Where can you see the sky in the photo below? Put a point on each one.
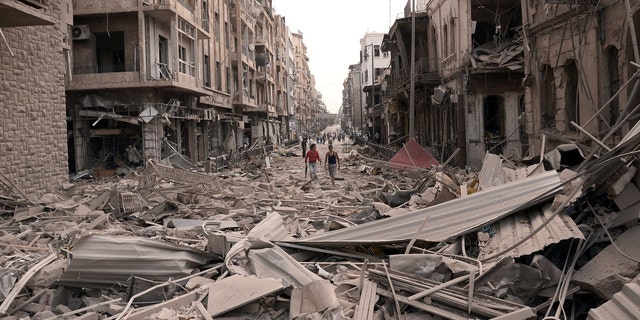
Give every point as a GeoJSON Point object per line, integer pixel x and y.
{"type": "Point", "coordinates": [332, 30]}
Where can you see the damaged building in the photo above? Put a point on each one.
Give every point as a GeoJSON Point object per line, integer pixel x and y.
{"type": "Point", "coordinates": [183, 80]}
{"type": "Point", "coordinates": [498, 76]}
{"type": "Point", "coordinates": [479, 46]}
{"type": "Point", "coordinates": [33, 47]}
{"type": "Point", "coordinates": [139, 72]}
{"type": "Point", "coordinates": [579, 69]}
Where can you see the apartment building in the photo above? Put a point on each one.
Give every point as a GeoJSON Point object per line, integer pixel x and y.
{"type": "Point", "coordinates": [139, 68]}
{"type": "Point", "coordinates": [285, 76]}
{"type": "Point", "coordinates": [352, 107]}
{"type": "Point", "coordinates": [34, 44]}
{"type": "Point", "coordinates": [303, 87]}
{"type": "Point", "coordinates": [434, 125]}
{"type": "Point", "coordinates": [373, 62]}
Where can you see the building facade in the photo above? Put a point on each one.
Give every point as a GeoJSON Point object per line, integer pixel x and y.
{"type": "Point", "coordinates": [178, 80]}
{"type": "Point", "coordinates": [579, 69]}
{"type": "Point", "coordinates": [373, 62]}
{"type": "Point", "coordinates": [33, 63]}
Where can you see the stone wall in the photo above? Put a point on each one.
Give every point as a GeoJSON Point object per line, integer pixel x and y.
{"type": "Point", "coordinates": [33, 140]}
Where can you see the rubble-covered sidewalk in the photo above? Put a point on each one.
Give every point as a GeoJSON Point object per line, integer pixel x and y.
{"type": "Point", "coordinates": [553, 237]}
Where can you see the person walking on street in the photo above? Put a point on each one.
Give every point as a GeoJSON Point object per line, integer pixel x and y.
{"type": "Point", "coordinates": [304, 146]}
{"type": "Point", "coordinates": [312, 157]}
{"type": "Point", "coordinates": [332, 161]}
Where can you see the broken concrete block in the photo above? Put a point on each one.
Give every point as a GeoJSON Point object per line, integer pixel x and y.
{"type": "Point", "coordinates": [198, 282]}
{"type": "Point", "coordinates": [629, 216]}
{"type": "Point", "coordinates": [46, 314]}
{"type": "Point", "coordinates": [313, 297]}
{"type": "Point", "coordinates": [236, 291]}
{"type": "Point", "coordinates": [600, 274]}
{"type": "Point", "coordinates": [618, 186]}
{"type": "Point", "coordinates": [61, 308]}
{"type": "Point", "coordinates": [114, 309]}
{"type": "Point", "coordinates": [627, 197]}
{"type": "Point", "coordinates": [49, 274]}
{"type": "Point", "coordinates": [88, 316]}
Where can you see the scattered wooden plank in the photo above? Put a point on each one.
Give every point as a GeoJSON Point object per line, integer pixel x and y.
{"type": "Point", "coordinates": [23, 281]}
{"type": "Point", "coordinates": [368, 298]}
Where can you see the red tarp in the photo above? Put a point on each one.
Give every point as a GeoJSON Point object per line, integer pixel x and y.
{"type": "Point", "coordinates": [416, 156]}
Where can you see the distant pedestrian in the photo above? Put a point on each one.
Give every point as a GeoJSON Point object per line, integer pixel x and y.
{"type": "Point", "coordinates": [312, 158]}
{"type": "Point", "coordinates": [304, 146]}
{"type": "Point", "coordinates": [332, 161]}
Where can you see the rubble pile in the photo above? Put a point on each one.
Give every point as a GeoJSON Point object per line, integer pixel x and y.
{"type": "Point", "coordinates": [260, 241]}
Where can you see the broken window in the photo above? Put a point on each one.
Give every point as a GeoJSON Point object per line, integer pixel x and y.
{"type": "Point", "coordinates": [452, 24]}
{"type": "Point", "coordinates": [186, 47]}
{"type": "Point", "coordinates": [218, 77]}
{"type": "Point", "coordinates": [493, 112]}
{"type": "Point", "coordinates": [547, 96]}
{"type": "Point", "coordinates": [110, 54]}
{"type": "Point", "coordinates": [216, 26]}
{"type": "Point", "coordinates": [614, 83]}
{"type": "Point", "coordinates": [445, 40]}
{"type": "Point", "coordinates": [571, 94]}
{"type": "Point", "coordinates": [207, 71]}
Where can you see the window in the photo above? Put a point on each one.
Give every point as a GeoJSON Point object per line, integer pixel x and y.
{"type": "Point", "coordinates": [218, 77]}
{"type": "Point", "coordinates": [376, 50]}
{"type": "Point", "coordinates": [445, 41]}
{"type": "Point", "coordinates": [182, 55]}
{"type": "Point", "coordinates": [110, 56]}
{"type": "Point", "coordinates": [163, 45]}
{"type": "Point", "coordinates": [186, 48]}
{"type": "Point", "coordinates": [207, 71]}
{"type": "Point", "coordinates": [216, 25]}
{"type": "Point", "coordinates": [366, 76]}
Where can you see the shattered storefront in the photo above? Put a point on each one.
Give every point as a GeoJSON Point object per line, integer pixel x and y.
{"type": "Point", "coordinates": [109, 135]}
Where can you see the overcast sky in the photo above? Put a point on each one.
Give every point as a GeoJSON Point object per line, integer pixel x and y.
{"type": "Point", "coordinates": [332, 30]}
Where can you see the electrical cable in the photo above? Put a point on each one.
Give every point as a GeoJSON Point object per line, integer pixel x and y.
{"type": "Point", "coordinates": [609, 236]}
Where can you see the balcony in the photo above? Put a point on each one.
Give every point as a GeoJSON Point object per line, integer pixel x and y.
{"type": "Point", "coordinates": [24, 13]}
{"type": "Point", "coordinates": [96, 7]}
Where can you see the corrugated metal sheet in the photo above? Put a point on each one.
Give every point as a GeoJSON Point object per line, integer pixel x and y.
{"type": "Point", "coordinates": [624, 305]}
{"type": "Point", "coordinates": [106, 260]}
{"type": "Point", "coordinates": [448, 219]}
{"type": "Point", "coordinates": [514, 228]}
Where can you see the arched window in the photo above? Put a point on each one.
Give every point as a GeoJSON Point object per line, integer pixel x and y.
{"type": "Point", "coordinates": [571, 94]}
{"type": "Point", "coordinates": [453, 45]}
{"type": "Point", "coordinates": [445, 42]}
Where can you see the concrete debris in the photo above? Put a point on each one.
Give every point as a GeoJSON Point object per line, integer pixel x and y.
{"type": "Point", "coordinates": [511, 241]}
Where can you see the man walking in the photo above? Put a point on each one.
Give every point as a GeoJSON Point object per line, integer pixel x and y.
{"type": "Point", "coordinates": [312, 158]}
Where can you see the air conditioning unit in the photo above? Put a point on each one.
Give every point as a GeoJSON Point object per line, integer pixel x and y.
{"type": "Point", "coordinates": [80, 32]}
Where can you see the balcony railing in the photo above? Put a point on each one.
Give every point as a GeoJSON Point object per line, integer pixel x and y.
{"type": "Point", "coordinates": [104, 69]}
{"type": "Point", "coordinates": [187, 67]}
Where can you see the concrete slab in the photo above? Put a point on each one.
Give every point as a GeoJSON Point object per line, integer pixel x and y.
{"type": "Point", "coordinates": [599, 274]}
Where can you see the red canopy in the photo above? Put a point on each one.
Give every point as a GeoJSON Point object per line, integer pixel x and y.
{"type": "Point", "coordinates": [413, 155]}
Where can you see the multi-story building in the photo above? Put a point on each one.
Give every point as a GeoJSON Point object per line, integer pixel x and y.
{"type": "Point", "coordinates": [479, 45]}
{"type": "Point", "coordinates": [578, 68]}
{"type": "Point", "coordinates": [284, 66]}
{"type": "Point", "coordinates": [373, 61]}
{"type": "Point", "coordinates": [352, 106]}
{"type": "Point", "coordinates": [138, 71]}
{"type": "Point", "coordinates": [303, 86]}
{"type": "Point", "coordinates": [429, 125]}
{"type": "Point", "coordinates": [256, 69]}
{"type": "Point", "coordinates": [34, 53]}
